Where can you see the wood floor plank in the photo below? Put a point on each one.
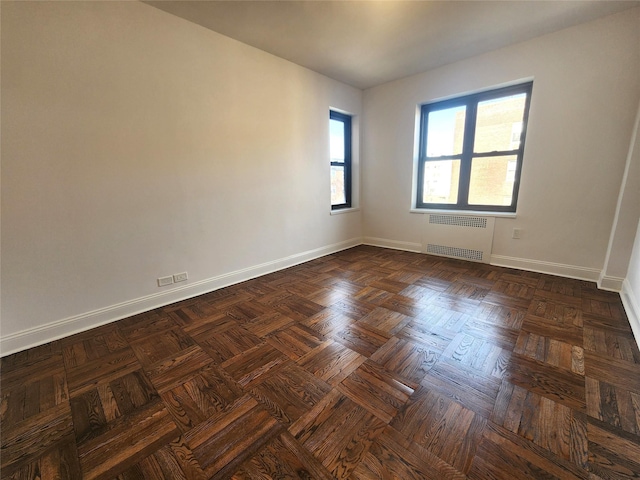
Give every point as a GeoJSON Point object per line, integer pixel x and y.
{"type": "Point", "coordinates": [446, 429]}
{"type": "Point", "coordinates": [505, 455]}
{"type": "Point", "coordinates": [290, 392]}
{"type": "Point", "coordinates": [28, 439]}
{"type": "Point", "coordinates": [154, 428]}
{"type": "Point", "coordinates": [558, 384]}
{"type": "Point", "coordinates": [411, 361]}
{"type": "Point", "coordinates": [379, 391]}
{"type": "Point", "coordinates": [367, 363]}
{"type": "Point", "coordinates": [283, 458]}
{"type": "Point", "coordinates": [216, 444]}
{"type": "Point", "coordinates": [391, 456]}
{"type": "Point", "coordinates": [331, 361]}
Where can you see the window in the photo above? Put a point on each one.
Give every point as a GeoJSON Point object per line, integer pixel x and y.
{"type": "Point", "coordinates": [340, 152]}
{"type": "Point", "coordinates": [471, 150]}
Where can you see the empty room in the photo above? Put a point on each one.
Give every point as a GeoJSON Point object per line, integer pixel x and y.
{"type": "Point", "coordinates": [320, 239]}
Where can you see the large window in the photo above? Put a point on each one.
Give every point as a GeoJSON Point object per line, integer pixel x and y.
{"type": "Point", "coordinates": [471, 150]}
{"type": "Point", "coordinates": [340, 150]}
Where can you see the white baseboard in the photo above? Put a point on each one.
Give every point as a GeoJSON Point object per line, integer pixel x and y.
{"type": "Point", "coordinates": [550, 268]}
{"type": "Point", "coordinates": [632, 308]}
{"type": "Point", "coordinates": [612, 284]}
{"type": "Point", "coordinates": [393, 244]}
{"type": "Point", "coordinates": [35, 336]}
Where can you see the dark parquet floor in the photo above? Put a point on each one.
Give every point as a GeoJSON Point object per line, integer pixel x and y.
{"type": "Point", "coordinates": [366, 364]}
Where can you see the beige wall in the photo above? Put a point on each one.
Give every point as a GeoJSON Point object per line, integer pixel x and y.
{"type": "Point", "coordinates": [585, 95]}
{"type": "Point", "coordinates": [136, 145]}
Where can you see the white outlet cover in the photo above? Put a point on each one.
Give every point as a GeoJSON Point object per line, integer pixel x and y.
{"type": "Point", "coordinates": [163, 281]}
{"type": "Point", "coordinates": [180, 277]}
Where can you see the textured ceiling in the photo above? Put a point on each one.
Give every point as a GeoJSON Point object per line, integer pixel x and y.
{"type": "Point", "coordinates": [367, 43]}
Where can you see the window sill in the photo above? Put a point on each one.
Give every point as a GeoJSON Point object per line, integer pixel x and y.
{"type": "Point", "coordinates": [464, 212]}
{"type": "Point", "coordinates": [344, 210]}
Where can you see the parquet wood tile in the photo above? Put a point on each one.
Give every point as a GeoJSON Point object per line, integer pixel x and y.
{"type": "Point", "coordinates": [158, 347]}
{"type": "Point", "coordinates": [504, 455]}
{"type": "Point", "coordinates": [167, 374]}
{"type": "Point", "coordinates": [328, 321]}
{"type": "Point", "coordinates": [228, 343]}
{"type": "Point", "coordinates": [447, 429]}
{"type": "Point", "coordinates": [268, 323]}
{"type": "Point", "coordinates": [361, 337]}
{"type": "Point", "coordinates": [546, 423]}
{"type": "Point", "coordinates": [283, 458]}
{"type": "Point", "coordinates": [327, 296]}
{"type": "Point", "coordinates": [126, 446]}
{"type": "Point", "coordinates": [500, 315]}
{"type": "Point", "coordinates": [611, 344]}
{"type": "Point", "coordinates": [331, 362]}
{"type": "Point", "coordinates": [393, 456]}
{"type": "Point", "coordinates": [365, 364]}
{"type": "Point", "coordinates": [59, 461]}
{"type": "Point", "coordinates": [290, 392]}
{"type": "Point", "coordinates": [338, 432]}
{"type": "Point", "coordinates": [615, 405]}
{"type": "Point", "coordinates": [418, 331]}
{"type": "Point", "coordinates": [411, 361]}
{"type": "Point", "coordinates": [612, 454]}
{"type": "Point", "coordinates": [379, 391]}
{"type": "Point", "coordinates": [172, 461]}
{"type": "Point", "coordinates": [210, 391]}
{"type": "Point", "coordinates": [470, 388]}
{"type": "Point", "coordinates": [296, 340]}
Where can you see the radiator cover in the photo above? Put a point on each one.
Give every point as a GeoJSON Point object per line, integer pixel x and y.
{"type": "Point", "coordinates": [459, 236]}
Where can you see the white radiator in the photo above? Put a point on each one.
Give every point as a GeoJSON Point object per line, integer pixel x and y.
{"type": "Point", "coordinates": [459, 236]}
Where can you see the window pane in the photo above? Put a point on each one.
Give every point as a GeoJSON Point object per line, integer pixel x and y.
{"type": "Point", "coordinates": [445, 131]}
{"type": "Point", "coordinates": [338, 196]}
{"type": "Point", "coordinates": [336, 140]}
{"type": "Point", "coordinates": [441, 181]}
{"type": "Point", "coordinates": [499, 124]}
{"type": "Point", "coordinates": [492, 180]}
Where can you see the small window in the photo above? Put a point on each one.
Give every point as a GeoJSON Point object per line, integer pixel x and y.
{"type": "Point", "coordinates": [340, 152]}
{"type": "Point", "coordinates": [471, 150]}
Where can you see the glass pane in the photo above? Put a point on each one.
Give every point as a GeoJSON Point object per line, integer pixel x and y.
{"type": "Point", "coordinates": [336, 140]}
{"type": "Point", "coordinates": [445, 131]}
{"type": "Point", "coordinates": [499, 124]}
{"type": "Point", "coordinates": [441, 181]}
{"type": "Point", "coordinates": [338, 196]}
{"type": "Point", "coordinates": [492, 180]}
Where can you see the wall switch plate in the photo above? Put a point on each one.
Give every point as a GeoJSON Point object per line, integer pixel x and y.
{"type": "Point", "coordinates": [163, 281]}
{"type": "Point", "coordinates": [180, 277]}
{"type": "Point", "coordinates": [516, 233]}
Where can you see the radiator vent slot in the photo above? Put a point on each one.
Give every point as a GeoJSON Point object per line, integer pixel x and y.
{"type": "Point", "coordinates": [458, 220]}
{"type": "Point", "coordinates": [467, 254]}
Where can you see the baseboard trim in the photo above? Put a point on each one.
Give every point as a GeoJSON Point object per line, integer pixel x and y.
{"type": "Point", "coordinates": [393, 244]}
{"type": "Point", "coordinates": [550, 268]}
{"type": "Point", "coordinates": [632, 308]}
{"type": "Point", "coordinates": [612, 284]}
{"type": "Point", "coordinates": [35, 336]}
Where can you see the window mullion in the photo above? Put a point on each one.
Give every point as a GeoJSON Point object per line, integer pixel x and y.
{"type": "Point", "coordinates": [467, 154]}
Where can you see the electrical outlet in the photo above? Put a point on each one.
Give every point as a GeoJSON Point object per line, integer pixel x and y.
{"type": "Point", "coordinates": [516, 233]}
{"type": "Point", "coordinates": [163, 281]}
{"type": "Point", "coordinates": [180, 277]}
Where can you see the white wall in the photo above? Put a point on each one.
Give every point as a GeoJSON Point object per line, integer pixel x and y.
{"type": "Point", "coordinates": [136, 145]}
{"type": "Point", "coordinates": [626, 218]}
{"type": "Point", "coordinates": [631, 289]}
{"type": "Point", "coordinates": [629, 202]}
{"type": "Point", "coordinates": [585, 94]}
